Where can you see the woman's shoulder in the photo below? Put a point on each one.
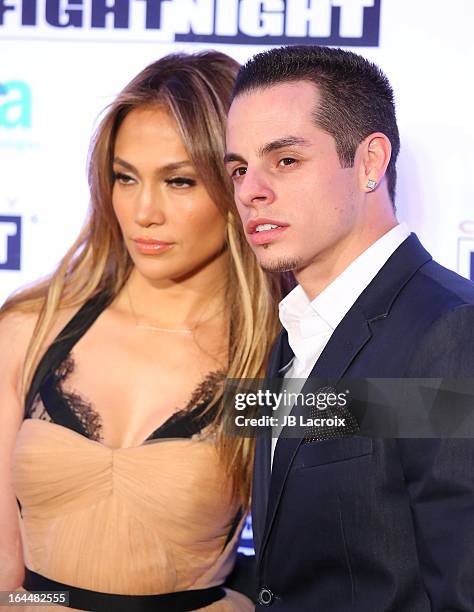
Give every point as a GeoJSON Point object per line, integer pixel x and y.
{"type": "Point", "coordinates": [17, 328]}
{"type": "Point", "coordinates": [16, 331]}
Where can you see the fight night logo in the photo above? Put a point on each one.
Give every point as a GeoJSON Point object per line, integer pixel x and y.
{"type": "Point", "coordinates": [250, 22]}
{"type": "Point", "coordinates": [10, 242]}
{"type": "Point", "coordinates": [466, 249]}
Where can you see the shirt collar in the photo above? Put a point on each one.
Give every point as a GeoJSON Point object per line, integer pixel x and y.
{"type": "Point", "coordinates": [332, 304]}
{"type": "Point", "coordinates": [303, 325]}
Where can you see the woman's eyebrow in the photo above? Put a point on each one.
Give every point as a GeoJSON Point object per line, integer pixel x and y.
{"type": "Point", "coordinates": [171, 167]}
{"type": "Point", "coordinates": [124, 164]}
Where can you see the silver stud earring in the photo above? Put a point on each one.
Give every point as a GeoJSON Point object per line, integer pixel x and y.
{"type": "Point", "coordinates": [371, 184]}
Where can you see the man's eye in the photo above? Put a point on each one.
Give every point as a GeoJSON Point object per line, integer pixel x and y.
{"type": "Point", "coordinates": [123, 179]}
{"type": "Point", "coordinates": [240, 171]}
{"type": "Point", "coordinates": [287, 161]}
{"type": "Point", "coordinates": [180, 182]}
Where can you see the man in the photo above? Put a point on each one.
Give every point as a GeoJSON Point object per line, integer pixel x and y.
{"type": "Point", "coordinates": [349, 523]}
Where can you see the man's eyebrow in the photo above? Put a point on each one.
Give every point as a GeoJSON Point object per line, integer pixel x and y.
{"type": "Point", "coordinates": [171, 167]}
{"type": "Point", "coordinates": [274, 145]}
{"type": "Point", "coordinates": [281, 143]}
{"type": "Point", "coordinates": [232, 157]}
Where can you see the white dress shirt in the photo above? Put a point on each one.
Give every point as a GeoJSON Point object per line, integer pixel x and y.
{"type": "Point", "coordinates": [310, 324]}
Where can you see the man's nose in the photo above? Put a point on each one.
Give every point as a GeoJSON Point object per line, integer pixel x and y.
{"type": "Point", "coordinates": [254, 189]}
{"type": "Point", "coordinates": [149, 208]}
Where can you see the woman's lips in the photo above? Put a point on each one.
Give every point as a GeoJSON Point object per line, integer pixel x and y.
{"type": "Point", "coordinates": [151, 247]}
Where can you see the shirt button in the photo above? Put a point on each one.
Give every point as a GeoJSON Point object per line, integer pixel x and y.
{"type": "Point", "coordinates": [265, 597]}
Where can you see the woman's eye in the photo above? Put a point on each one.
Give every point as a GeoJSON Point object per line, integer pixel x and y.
{"type": "Point", "coordinates": [238, 172]}
{"type": "Point", "coordinates": [180, 182]}
{"type": "Point", "coordinates": [123, 179]}
{"type": "Point", "coordinates": [287, 161]}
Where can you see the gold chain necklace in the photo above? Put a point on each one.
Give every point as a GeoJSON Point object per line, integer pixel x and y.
{"type": "Point", "coordinates": [155, 328]}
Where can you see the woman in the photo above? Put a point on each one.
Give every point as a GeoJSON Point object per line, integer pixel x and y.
{"type": "Point", "coordinates": [131, 495]}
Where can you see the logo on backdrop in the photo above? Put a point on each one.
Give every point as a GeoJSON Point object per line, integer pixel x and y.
{"type": "Point", "coordinates": [246, 538]}
{"type": "Point", "coordinates": [466, 249]}
{"type": "Point", "coordinates": [269, 22]}
{"type": "Point", "coordinates": [15, 104]}
{"type": "Point", "coordinates": [10, 242]}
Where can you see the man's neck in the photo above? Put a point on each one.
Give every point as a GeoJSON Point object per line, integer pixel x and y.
{"type": "Point", "coordinates": [320, 273]}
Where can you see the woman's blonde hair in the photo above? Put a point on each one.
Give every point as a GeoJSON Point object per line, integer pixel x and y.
{"type": "Point", "coordinates": [196, 90]}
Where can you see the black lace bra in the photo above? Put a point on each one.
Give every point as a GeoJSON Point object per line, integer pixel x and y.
{"type": "Point", "coordinates": [48, 400]}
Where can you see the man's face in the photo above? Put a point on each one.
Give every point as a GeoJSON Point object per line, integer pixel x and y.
{"type": "Point", "coordinates": [297, 205]}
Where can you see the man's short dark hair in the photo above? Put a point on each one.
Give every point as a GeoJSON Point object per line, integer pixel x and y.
{"type": "Point", "coordinates": [356, 96]}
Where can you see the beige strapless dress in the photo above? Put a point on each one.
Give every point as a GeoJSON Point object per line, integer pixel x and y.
{"type": "Point", "coordinates": [137, 521]}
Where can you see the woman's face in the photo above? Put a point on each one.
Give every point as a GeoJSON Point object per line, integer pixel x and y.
{"type": "Point", "coordinates": [171, 227]}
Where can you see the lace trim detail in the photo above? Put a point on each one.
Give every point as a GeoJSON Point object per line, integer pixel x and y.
{"type": "Point", "coordinates": [200, 397]}
{"type": "Point", "coordinates": [38, 411]}
{"type": "Point", "coordinates": [91, 420]}
{"type": "Point", "coordinates": [205, 390]}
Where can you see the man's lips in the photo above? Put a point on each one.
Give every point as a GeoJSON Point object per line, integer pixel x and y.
{"type": "Point", "coordinates": [262, 230]}
{"type": "Point", "coordinates": [252, 224]}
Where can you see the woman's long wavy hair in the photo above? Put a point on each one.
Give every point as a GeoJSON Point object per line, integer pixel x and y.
{"type": "Point", "coordinates": [196, 90]}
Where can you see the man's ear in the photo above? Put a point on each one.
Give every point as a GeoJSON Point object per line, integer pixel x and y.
{"type": "Point", "coordinates": [374, 156]}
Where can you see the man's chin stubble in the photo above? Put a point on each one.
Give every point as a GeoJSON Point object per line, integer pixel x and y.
{"type": "Point", "coordinates": [285, 264]}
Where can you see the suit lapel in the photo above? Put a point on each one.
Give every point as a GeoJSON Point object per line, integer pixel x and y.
{"type": "Point", "coordinates": [281, 354]}
{"type": "Point", "coordinates": [345, 344]}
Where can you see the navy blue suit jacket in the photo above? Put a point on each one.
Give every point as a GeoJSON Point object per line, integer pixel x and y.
{"type": "Point", "coordinates": [375, 525]}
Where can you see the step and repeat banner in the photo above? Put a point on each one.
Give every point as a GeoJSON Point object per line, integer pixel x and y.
{"type": "Point", "coordinates": [63, 61]}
